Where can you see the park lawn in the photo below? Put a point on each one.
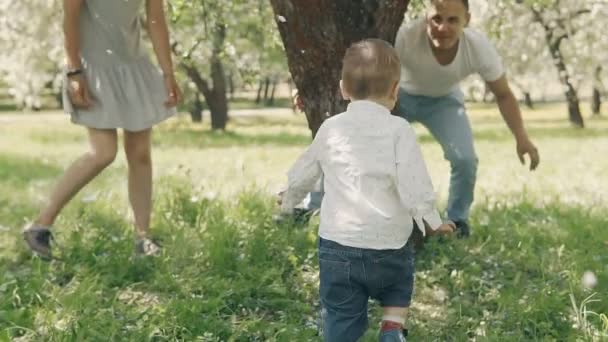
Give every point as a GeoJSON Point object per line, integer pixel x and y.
{"type": "Point", "coordinates": [229, 273]}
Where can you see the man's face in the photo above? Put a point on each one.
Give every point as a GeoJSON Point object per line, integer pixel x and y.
{"type": "Point", "coordinates": [446, 19]}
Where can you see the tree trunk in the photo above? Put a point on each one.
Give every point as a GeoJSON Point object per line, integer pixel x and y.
{"type": "Point", "coordinates": [316, 33]}
{"type": "Point", "coordinates": [596, 102]}
{"type": "Point", "coordinates": [528, 100]}
{"type": "Point", "coordinates": [218, 102]}
{"type": "Point", "coordinates": [273, 89]}
{"type": "Point", "coordinates": [231, 85]}
{"type": "Point", "coordinates": [554, 42]}
{"type": "Point", "coordinates": [258, 98]}
{"type": "Point", "coordinates": [196, 112]}
{"type": "Point", "coordinates": [266, 86]}
{"type": "Point", "coordinates": [527, 96]}
{"type": "Point", "coordinates": [574, 110]}
{"type": "Point", "coordinates": [59, 99]}
{"type": "Point", "coordinates": [214, 96]}
{"type": "Point", "coordinates": [596, 97]}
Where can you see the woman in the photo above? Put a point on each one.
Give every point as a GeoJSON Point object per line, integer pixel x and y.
{"type": "Point", "coordinates": [111, 84]}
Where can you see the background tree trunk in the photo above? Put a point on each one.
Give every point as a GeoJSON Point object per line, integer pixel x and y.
{"type": "Point", "coordinates": [525, 92]}
{"type": "Point", "coordinates": [554, 41]}
{"type": "Point", "coordinates": [215, 95]}
{"type": "Point", "coordinates": [273, 88]}
{"type": "Point", "coordinates": [596, 96]}
{"type": "Point", "coordinates": [574, 108]}
{"type": "Point", "coordinates": [528, 100]}
{"type": "Point", "coordinates": [258, 98]}
{"type": "Point", "coordinates": [196, 112]}
{"type": "Point", "coordinates": [266, 87]}
{"type": "Point", "coordinates": [316, 33]}
{"type": "Point", "coordinates": [231, 85]}
{"type": "Point", "coordinates": [596, 102]}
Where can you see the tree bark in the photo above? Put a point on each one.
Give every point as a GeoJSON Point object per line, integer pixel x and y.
{"type": "Point", "coordinates": [258, 98]}
{"type": "Point", "coordinates": [596, 102]}
{"type": "Point", "coordinates": [528, 100]}
{"type": "Point", "coordinates": [196, 112]}
{"type": "Point", "coordinates": [219, 102]}
{"type": "Point", "coordinates": [215, 95]}
{"type": "Point", "coordinates": [231, 85]}
{"type": "Point", "coordinates": [266, 86]}
{"type": "Point", "coordinates": [527, 96]}
{"type": "Point", "coordinates": [554, 43]}
{"type": "Point", "coordinates": [596, 96]}
{"type": "Point", "coordinates": [273, 88]}
{"type": "Point", "coordinates": [316, 33]}
{"type": "Point", "coordinates": [574, 109]}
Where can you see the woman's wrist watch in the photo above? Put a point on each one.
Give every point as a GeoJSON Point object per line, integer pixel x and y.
{"type": "Point", "coordinates": [73, 72]}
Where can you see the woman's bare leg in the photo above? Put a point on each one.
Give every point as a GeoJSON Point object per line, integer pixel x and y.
{"type": "Point", "coordinates": [103, 146]}
{"type": "Point", "coordinates": [139, 157]}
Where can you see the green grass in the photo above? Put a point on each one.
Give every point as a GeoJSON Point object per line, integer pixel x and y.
{"type": "Point", "coordinates": [229, 273]}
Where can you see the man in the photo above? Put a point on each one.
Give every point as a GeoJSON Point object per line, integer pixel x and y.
{"type": "Point", "coordinates": [436, 53]}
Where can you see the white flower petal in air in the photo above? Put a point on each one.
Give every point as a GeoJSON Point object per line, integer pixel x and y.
{"type": "Point", "coordinates": [589, 280]}
{"type": "Point", "coordinates": [90, 198]}
{"type": "Point", "coordinates": [281, 18]}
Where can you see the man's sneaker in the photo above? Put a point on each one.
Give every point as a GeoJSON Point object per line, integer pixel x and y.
{"type": "Point", "coordinates": [147, 247]}
{"type": "Point", "coordinates": [463, 230]}
{"type": "Point", "coordinates": [38, 238]}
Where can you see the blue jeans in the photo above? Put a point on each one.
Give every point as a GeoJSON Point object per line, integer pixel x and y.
{"type": "Point", "coordinates": [350, 276]}
{"type": "Point", "coordinates": [446, 119]}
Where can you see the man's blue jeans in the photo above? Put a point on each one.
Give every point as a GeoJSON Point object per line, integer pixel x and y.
{"type": "Point", "coordinates": [446, 119]}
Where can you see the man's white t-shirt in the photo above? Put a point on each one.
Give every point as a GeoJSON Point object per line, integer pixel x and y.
{"type": "Point", "coordinates": [421, 74]}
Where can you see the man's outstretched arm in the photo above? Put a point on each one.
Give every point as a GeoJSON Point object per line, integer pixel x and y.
{"type": "Point", "coordinates": [509, 109]}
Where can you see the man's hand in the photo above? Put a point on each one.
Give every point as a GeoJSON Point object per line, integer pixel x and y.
{"type": "Point", "coordinates": [445, 229]}
{"type": "Point", "coordinates": [525, 146]}
{"type": "Point", "coordinates": [509, 109]}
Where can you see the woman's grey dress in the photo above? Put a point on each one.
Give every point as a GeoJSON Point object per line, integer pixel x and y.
{"type": "Point", "coordinates": [128, 90]}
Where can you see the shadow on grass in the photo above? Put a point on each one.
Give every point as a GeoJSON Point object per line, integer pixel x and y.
{"type": "Point", "coordinates": [190, 137]}
{"type": "Point", "coordinates": [57, 136]}
{"type": "Point", "coordinates": [187, 135]}
{"type": "Point", "coordinates": [500, 135]}
{"type": "Point", "coordinates": [246, 103]}
{"type": "Point", "coordinates": [269, 121]}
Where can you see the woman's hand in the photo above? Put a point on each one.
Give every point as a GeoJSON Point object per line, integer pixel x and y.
{"type": "Point", "coordinates": [78, 92]}
{"type": "Point", "coordinates": [174, 94]}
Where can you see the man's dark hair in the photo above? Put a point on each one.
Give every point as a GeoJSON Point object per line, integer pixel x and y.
{"type": "Point", "coordinates": [464, 2]}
